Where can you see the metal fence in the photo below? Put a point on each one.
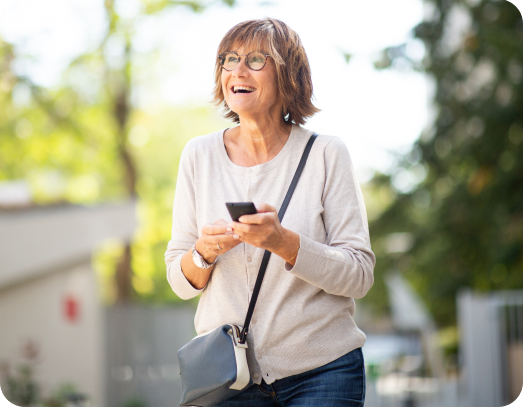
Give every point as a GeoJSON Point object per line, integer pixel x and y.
{"type": "Point", "coordinates": [491, 360]}
{"type": "Point", "coordinates": [510, 309]}
{"type": "Point", "coordinates": [491, 346]}
{"type": "Point", "coordinates": [141, 354]}
{"type": "Point", "coordinates": [414, 392]}
{"type": "Point", "coordinates": [142, 363]}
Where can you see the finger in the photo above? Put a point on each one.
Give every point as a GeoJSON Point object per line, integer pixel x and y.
{"type": "Point", "coordinates": [215, 229]}
{"type": "Point", "coordinates": [255, 219]}
{"type": "Point", "coordinates": [225, 240]}
{"type": "Point", "coordinates": [226, 244]}
{"type": "Point", "coordinates": [265, 207]}
{"type": "Point", "coordinates": [259, 218]}
{"type": "Point", "coordinates": [248, 233]}
{"type": "Point", "coordinates": [223, 222]}
{"type": "Point", "coordinates": [239, 228]}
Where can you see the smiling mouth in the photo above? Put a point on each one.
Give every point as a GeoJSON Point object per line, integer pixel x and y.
{"type": "Point", "coordinates": [243, 89]}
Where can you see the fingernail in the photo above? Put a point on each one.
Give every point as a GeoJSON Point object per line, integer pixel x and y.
{"type": "Point", "coordinates": [235, 236]}
{"type": "Point", "coordinates": [229, 229]}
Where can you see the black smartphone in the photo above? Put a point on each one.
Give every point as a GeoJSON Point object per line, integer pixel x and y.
{"type": "Point", "coordinates": [238, 209]}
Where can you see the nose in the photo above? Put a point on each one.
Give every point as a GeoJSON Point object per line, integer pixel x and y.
{"type": "Point", "coordinates": [241, 70]}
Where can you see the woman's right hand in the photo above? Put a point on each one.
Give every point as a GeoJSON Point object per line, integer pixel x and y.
{"type": "Point", "coordinates": [213, 234]}
{"type": "Point", "coordinates": [207, 245]}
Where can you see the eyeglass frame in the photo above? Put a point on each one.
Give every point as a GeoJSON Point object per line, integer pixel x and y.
{"type": "Point", "coordinates": [222, 63]}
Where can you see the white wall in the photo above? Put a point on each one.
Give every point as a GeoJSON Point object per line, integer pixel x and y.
{"type": "Point", "coordinates": [57, 236]}
{"type": "Point", "coordinates": [70, 352]}
{"type": "Point", "coordinates": [480, 348]}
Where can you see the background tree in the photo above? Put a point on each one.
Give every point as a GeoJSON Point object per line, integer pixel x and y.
{"type": "Point", "coordinates": [459, 192]}
{"type": "Point", "coordinates": [86, 141]}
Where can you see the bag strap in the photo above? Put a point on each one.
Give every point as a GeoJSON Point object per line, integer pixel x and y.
{"type": "Point", "coordinates": [267, 254]}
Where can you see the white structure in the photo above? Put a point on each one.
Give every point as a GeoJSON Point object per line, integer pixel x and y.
{"type": "Point", "coordinates": [48, 290]}
{"type": "Point", "coordinates": [491, 345]}
{"type": "Point", "coordinates": [410, 314]}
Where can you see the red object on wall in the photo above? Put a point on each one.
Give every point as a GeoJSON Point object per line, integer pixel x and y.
{"type": "Point", "coordinates": [71, 308]}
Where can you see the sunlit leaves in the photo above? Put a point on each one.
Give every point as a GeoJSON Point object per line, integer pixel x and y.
{"type": "Point", "coordinates": [155, 6]}
{"type": "Point", "coordinates": [86, 142]}
{"type": "Point", "coordinates": [466, 214]}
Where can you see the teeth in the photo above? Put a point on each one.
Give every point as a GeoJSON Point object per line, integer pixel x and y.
{"type": "Point", "coordinates": [247, 88]}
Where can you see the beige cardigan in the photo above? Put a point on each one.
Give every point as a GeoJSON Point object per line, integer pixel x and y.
{"type": "Point", "coordinates": [304, 314]}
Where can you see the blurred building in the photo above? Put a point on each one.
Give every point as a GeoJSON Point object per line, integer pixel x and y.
{"type": "Point", "coordinates": [490, 352]}
{"type": "Point", "coordinates": [491, 346]}
{"type": "Point", "coordinates": [49, 306]}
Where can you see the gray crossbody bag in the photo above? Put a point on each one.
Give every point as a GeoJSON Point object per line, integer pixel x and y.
{"type": "Point", "coordinates": [213, 365]}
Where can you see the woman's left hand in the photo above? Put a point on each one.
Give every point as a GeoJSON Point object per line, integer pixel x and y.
{"type": "Point", "coordinates": [264, 230]}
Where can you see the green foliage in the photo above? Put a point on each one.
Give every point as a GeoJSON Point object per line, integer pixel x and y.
{"type": "Point", "coordinates": [154, 6]}
{"type": "Point", "coordinates": [21, 389]}
{"type": "Point", "coordinates": [465, 211]}
{"type": "Point", "coordinates": [60, 397]}
{"type": "Point", "coordinates": [85, 142]}
{"type": "Point", "coordinates": [157, 142]}
{"type": "Point", "coordinates": [62, 166]}
{"type": "Point", "coordinates": [134, 403]}
{"type": "Point", "coordinates": [346, 56]}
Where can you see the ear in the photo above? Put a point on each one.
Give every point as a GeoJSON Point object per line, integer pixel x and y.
{"type": "Point", "coordinates": [284, 112]}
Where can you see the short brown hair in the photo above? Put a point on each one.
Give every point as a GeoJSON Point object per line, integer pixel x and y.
{"type": "Point", "coordinates": [283, 44]}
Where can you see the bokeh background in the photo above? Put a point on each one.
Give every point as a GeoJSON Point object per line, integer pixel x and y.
{"type": "Point", "coordinates": [97, 100]}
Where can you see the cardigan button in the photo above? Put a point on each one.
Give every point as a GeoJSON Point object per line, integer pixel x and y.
{"type": "Point", "coordinates": [256, 375]}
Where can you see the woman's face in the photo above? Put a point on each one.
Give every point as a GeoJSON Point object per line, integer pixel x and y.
{"type": "Point", "coordinates": [263, 99]}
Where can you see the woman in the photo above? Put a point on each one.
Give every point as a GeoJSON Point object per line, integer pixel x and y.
{"type": "Point", "coordinates": [304, 348]}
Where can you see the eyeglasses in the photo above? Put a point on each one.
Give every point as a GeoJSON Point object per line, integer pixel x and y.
{"type": "Point", "coordinates": [255, 60]}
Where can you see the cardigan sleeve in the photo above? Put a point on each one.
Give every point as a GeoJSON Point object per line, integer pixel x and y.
{"type": "Point", "coordinates": [344, 265]}
{"type": "Point", "coordinates": [184, 227]}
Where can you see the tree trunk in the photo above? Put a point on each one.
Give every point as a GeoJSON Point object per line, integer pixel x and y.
{"type": "Point", "coordinates": [123, 277]}
{"type": "Point", "coordinates": [121, 112]}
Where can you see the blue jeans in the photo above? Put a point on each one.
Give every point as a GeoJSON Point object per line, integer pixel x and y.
{"type": "Point", "coordinates": [336, 384]}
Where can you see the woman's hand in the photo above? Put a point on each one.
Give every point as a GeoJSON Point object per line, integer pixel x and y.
{"type": "Point", "coordinates": [264, 230]}
{"type": "Point", "coordinates": [207, 245]}
{"type": "Point", "coordinates": [214, 234]}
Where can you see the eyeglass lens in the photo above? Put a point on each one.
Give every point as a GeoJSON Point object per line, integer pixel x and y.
{"type": "Point", "coordinates": [255, 60]}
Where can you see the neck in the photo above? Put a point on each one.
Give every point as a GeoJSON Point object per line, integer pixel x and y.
{"type": "Point", "coordinates": [255, 142]}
